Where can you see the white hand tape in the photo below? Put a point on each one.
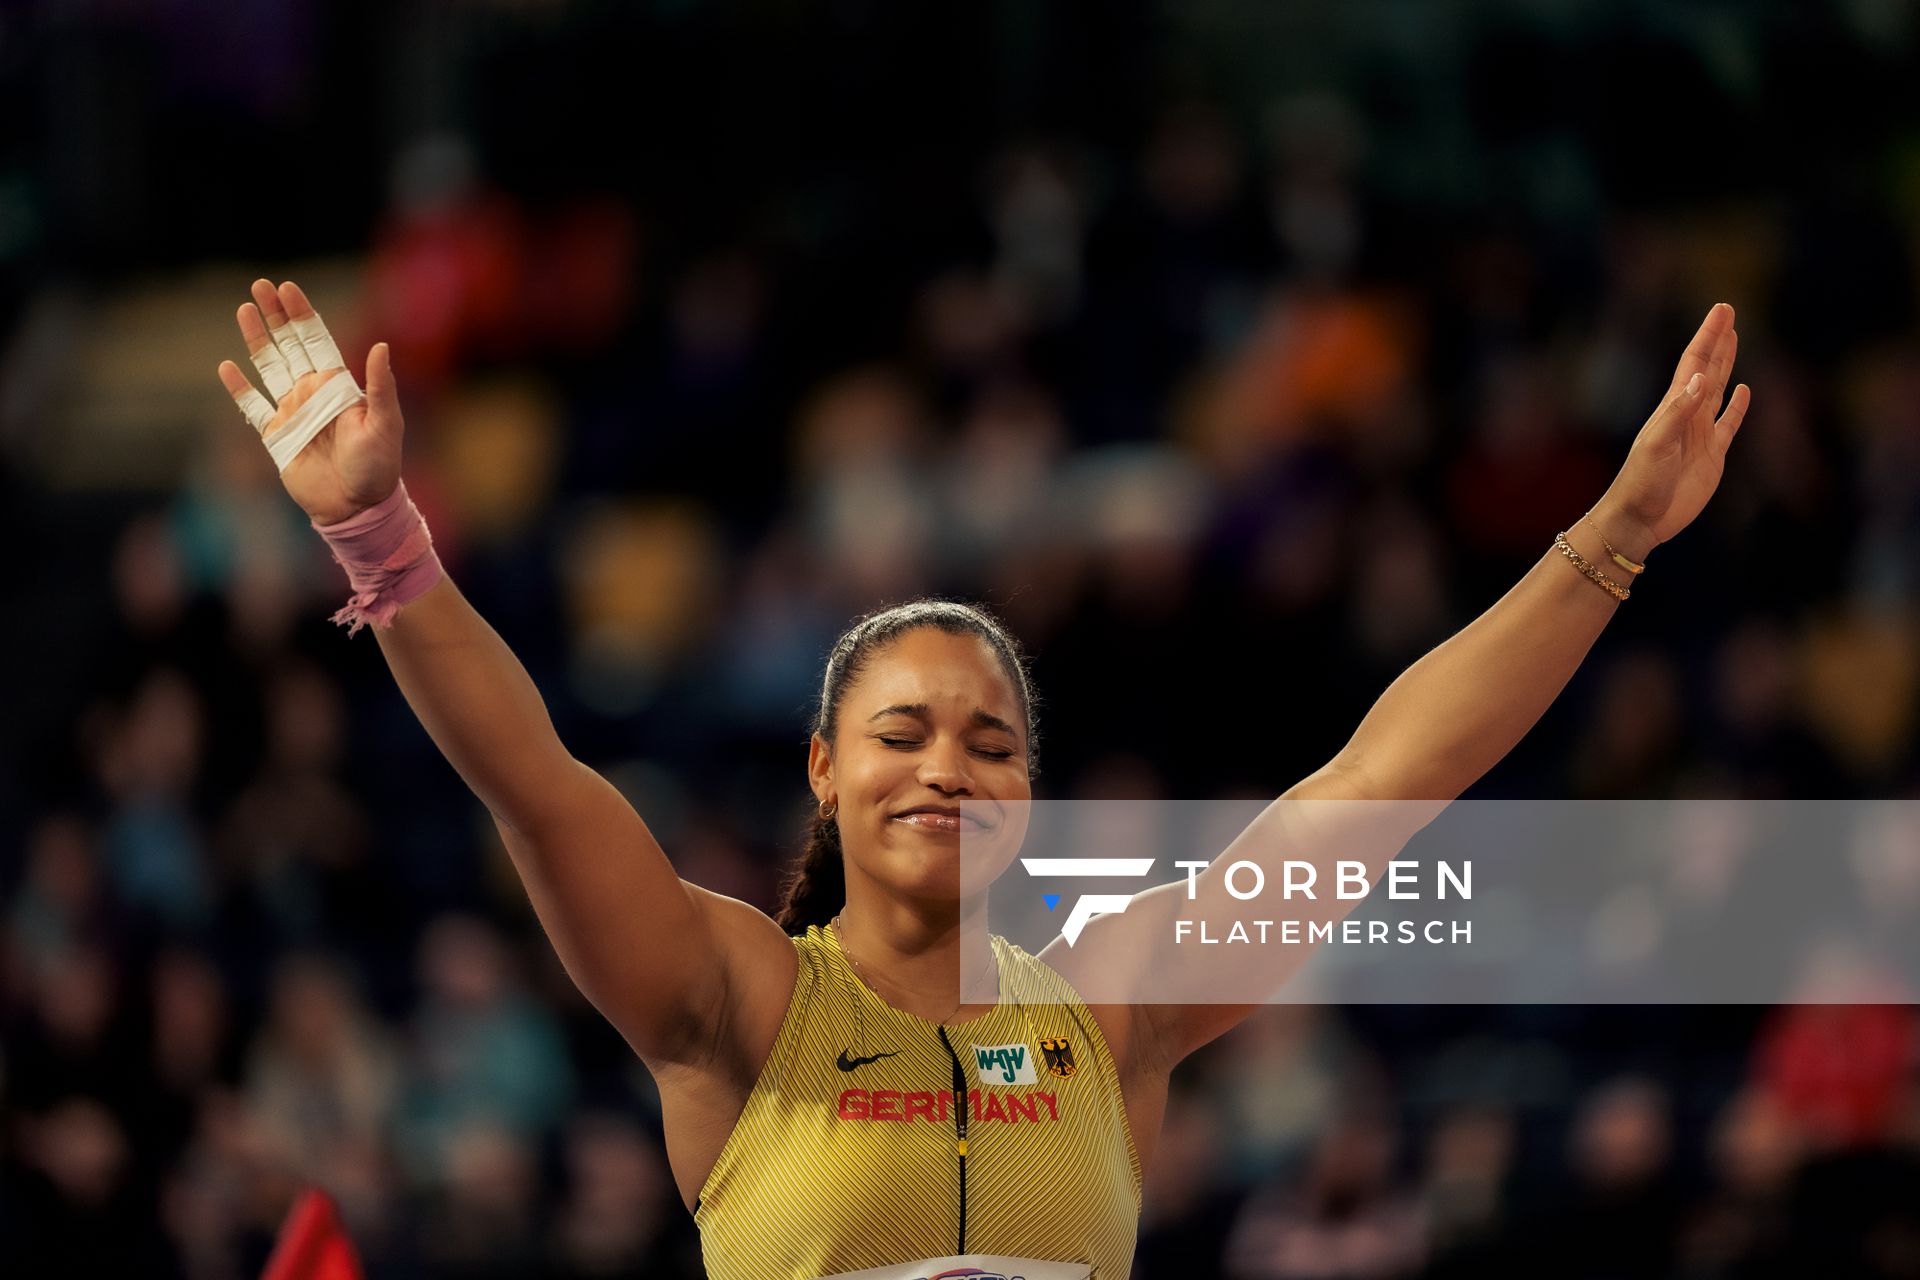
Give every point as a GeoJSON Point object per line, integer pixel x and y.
{"type": "Point", "coordinates": [288, 341]}
{"type": "Point", "coordinates": [273, 370]}
{"type": "Point", "coordinates": [314, 337]}
{"type": "Point", "coordinates": [298, 347]}
{"type": "Point", "coordinates": [332, 398]}
{"type": "Point", "coordinates": [258, 409]}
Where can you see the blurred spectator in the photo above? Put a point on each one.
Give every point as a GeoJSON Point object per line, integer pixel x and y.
{"type": "Point", "coordinates": [478, 1220]}
{"type": "Point", "coordinates": [1468, 1187]}
{"type": "Point", "coordinates": [1742, 1228]}
{"type": "Point", "coordinates": [62, 901]}
{"type": "Point", "coordinates": [73, 1037]}
{"type": "Point", "coordinates": [488, 1071]}
{"type": "Point", "coordinates": [195, 1050]}
{"type": "Point", "coordinates": [614, 1218]}
{"type": "Point", "coordinates": [81, 1206]}
{"type": "Point", "coordinates": [295, 838]}
{"type": "Point", "coordinates": [1189, 1198]}
{"type": "Point", "coordinates": [1634, 744]}
{"type": "Point", "coordinates": [322, 1083]}
{"type": "Point", "coordinates": [149, 762]}
{"type": "Point", "coordinates": [225, 1197]}
{"type": "Point", "coordinates": [1275, 1081]}
{"type": "Point", "coordinates": [1623, 1205]}
{"type": "Point", "coordinates": [1344, 1216]}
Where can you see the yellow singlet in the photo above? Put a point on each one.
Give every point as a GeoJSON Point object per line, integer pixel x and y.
{"type": "Point", "coordinates": [845, 1157]}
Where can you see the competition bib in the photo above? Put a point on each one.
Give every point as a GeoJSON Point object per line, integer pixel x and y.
{"type": "Point", "coordinates": [972, 1266]}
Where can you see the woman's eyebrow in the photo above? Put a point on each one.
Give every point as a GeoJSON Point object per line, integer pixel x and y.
{"type": "Point", "coordinates": [985, 719]}
{"type": "Point", "coordinates": [988, 720]}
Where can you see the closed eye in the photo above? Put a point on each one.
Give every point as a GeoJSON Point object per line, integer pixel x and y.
{"type": "Point", "coordinates": [899, 743]}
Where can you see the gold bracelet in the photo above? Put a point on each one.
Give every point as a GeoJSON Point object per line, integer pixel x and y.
{"type": "Point", "coordinates": [1618, 559]}
{"type": "Point", "coordinates": [1585, 566]}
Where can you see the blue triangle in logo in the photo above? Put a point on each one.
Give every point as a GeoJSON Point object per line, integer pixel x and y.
{"type": "Point", "coordinates": [1051, 899]}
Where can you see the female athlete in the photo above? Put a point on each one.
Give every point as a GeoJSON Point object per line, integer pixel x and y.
{"type": "Point", "coordinates": [830, 1108]}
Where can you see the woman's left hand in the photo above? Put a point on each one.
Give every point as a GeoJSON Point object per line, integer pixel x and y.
{"type": "Point", "coordinates": [1675, 462]}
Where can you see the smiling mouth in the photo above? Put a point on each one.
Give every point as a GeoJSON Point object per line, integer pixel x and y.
{"type": "Point", "coordinates": [948, 823]}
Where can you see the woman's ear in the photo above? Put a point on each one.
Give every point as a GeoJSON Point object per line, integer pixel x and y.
{"type": "Point", "coordinates": [820, 769]}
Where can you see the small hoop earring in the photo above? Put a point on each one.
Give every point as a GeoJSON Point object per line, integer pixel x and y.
{"type": "Point", "coordinates": [828, 810]}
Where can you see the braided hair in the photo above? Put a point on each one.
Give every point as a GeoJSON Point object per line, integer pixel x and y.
{"type": "Point", "coordinates": [816, 886]}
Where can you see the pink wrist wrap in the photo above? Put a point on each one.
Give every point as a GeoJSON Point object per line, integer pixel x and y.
{"type": "Point", "coordinates": [389, 558]}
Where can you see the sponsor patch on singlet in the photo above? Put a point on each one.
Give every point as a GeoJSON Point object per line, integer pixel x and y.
{"type": "Point", "coordinates": [972, 1266]}
{"type": "Point", "coordinates": [1004, 1063]}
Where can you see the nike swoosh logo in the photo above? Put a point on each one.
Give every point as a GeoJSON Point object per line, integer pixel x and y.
{"type": "Point", "coordinates": [847, 1064]}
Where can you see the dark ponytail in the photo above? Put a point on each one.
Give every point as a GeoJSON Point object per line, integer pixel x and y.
{"type": "Point", "coordinates": [816, 887]}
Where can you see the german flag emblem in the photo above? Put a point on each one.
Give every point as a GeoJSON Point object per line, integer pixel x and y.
{"type": "Point", "coordinates": [1059, 1056]}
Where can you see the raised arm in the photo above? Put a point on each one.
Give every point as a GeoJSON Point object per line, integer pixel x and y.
{"type": "Point", "coordinates": [666, 962]}
{"type": "Point", "coordinates": [1456, 712]}
{"type": "Point", "coordinates": [1442, 724]}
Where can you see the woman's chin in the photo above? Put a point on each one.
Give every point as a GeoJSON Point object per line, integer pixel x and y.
{"type": "Point", "coordinates": [923, 868]}
{"type": "Point", "coordinates": [920, 860]}
{"type": "Point", "coordinates": [932, 865]}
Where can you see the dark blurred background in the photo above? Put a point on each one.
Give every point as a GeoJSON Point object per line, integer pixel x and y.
{"type": "Point", "coordinates": [1237, 352]}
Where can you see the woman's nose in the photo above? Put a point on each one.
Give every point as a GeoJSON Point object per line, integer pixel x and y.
{"type": "Point", "coordinates": [945, 769]}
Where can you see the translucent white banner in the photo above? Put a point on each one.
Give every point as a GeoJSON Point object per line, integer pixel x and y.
{"type": "Point", "coordinates": [1481, 902]}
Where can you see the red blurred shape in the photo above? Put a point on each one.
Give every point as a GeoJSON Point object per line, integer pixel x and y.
{"type": "Point", "coordinates": [1840, 1071]}
{"type": "Point", "coordinates": [312, 1245]}
{"type": "Point", "coordinates": [579, 279]}
{"type": "Point", "coordinates": [446, 285]}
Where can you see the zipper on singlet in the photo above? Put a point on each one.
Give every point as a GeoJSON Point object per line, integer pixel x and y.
{"type": "Point", "coordinates": [959, 1131]}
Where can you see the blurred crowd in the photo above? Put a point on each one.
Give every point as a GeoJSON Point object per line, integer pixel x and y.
{"type": "Point", "coordinates": [1236, 357]}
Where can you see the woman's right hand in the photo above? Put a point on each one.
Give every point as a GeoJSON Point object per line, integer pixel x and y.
{"type": "Point", "coordinates": [354, 463]}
